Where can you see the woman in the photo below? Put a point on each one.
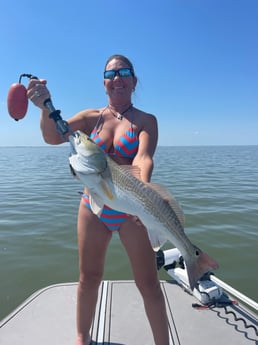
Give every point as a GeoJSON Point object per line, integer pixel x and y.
{"type": "Point", "coordinates": [129, 135]}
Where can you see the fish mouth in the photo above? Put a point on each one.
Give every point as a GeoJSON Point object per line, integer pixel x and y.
{"type": "Point", "coordinates": [75, 140]}
{"type": "Point", "coordinates": [79, 138]}
{"type": "Point", "coordinates": [72, 138]}
{"type": "Point", "coordinates": [83, 153]}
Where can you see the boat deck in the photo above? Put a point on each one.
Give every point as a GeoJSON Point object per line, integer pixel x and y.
{"type": "Point", "coordinates": [48, 318]}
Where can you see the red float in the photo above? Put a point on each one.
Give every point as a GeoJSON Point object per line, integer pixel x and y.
{"type": "Point", "coordinates": [17, 101]}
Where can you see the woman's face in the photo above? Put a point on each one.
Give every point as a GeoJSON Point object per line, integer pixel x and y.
{"type": "Point", "coordinates": [119, 88]}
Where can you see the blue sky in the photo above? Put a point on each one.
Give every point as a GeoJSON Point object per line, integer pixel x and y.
{"type": "Point", "coordinates": [196, 60]}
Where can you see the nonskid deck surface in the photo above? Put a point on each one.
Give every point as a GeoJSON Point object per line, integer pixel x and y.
{"type": "Point", "coordinates": [48, 317]}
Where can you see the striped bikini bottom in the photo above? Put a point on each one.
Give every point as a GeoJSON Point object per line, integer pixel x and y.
{"type": "Point", "coordinates": [111, 218]}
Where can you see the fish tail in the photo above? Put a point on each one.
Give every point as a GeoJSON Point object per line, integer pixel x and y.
{"type": "Point", "coordinates": [196, 268]}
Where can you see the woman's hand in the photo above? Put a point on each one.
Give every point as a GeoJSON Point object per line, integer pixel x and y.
{"type": "Point", "coordinates": [37, 92]}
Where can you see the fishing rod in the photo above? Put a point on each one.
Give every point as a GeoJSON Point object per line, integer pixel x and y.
{"type": "Point", "coordinates": [17, 104]}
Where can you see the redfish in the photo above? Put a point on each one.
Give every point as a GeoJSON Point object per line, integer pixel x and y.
{"type": "Point", "coordinates": [120, 188]}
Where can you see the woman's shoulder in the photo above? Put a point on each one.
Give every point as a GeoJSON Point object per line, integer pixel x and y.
{"type": "Point", "coordinates": [85, 118]}
{"type": "Point", "coordinates": [90, 112]}
{"type": "Point", "coordinates": [144, 118]}
{"type": "Point", "coordinates": [144, 115]}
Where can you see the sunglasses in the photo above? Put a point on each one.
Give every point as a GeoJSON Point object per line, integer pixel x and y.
{"type": "Point", "coordinates": [121, 72]}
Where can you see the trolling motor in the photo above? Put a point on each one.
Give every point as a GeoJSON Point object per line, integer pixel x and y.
{"type": "Point", "coordinates": [17, 104]}
{"type": "Point", "coordinates": [171, 260]}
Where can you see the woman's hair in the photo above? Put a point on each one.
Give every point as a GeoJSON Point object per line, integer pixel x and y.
{"type": "Point", "coordinates": [120, 57]}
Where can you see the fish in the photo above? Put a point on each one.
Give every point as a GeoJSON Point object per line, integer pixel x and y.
{"type": "Point", "coordinates": [120, 187]}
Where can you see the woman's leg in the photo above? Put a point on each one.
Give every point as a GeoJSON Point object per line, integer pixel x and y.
{"type": "Point", "coordinates": [93, 239]}
{"type": "Point", "coordinates": [143, 261]}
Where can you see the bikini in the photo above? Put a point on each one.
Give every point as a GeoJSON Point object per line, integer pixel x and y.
{"type": "Point", "coordinates": [127, 146]}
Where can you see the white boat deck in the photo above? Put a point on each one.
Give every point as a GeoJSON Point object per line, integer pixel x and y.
{"type": "Point", "coordinates": [48, 318]}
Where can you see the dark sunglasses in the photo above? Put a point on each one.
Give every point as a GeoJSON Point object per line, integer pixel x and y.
{"type": "Point", "coordinates": [121, 72]}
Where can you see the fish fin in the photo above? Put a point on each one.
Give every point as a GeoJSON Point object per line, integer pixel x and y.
{"type": "Point", "coordinates": [156, 239]}
{"type": "Point", "coordinates": [196, 268]}
{"type": "Point", "coordinates": [106, 189]}
{"type": "Point", "coordinates": [166, 195]}
{"type": "Point", "coordinates": [96, 204]}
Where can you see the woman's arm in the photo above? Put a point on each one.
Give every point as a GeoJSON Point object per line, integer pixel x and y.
{"type": "Point", "coordinates": [38, 93]}
{"type": "Point", "coordinates": [148, 139]}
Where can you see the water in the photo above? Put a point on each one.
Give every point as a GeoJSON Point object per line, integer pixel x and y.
{"type": "Point", "coordinates": [217, 188]}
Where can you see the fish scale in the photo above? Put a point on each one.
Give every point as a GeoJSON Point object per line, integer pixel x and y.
{"type": "Point", "coordinates": [148, 198]}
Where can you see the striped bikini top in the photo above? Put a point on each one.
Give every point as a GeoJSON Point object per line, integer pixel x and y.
{"type": "Point", "coordinates": [127, 145]}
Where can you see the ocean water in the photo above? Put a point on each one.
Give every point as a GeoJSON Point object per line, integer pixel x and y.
{"type": "Point", "coordinates": [217, 188]}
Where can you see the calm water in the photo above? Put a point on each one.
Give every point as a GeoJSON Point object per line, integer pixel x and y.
{"type": "Point", "coordinates": [216, 186]}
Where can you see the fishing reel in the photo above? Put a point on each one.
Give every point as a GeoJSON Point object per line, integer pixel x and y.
{"type": "Point", "coordinates": [17, 104]}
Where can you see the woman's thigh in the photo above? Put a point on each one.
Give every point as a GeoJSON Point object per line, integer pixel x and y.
{"type": "Point", "coordinates": [134, 237]}
{"type": "Point", "coordinates": [93, 240]}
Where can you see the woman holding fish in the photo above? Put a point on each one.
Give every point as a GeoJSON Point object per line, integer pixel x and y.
{"type": "Point", "coordinates": [129, 136]}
